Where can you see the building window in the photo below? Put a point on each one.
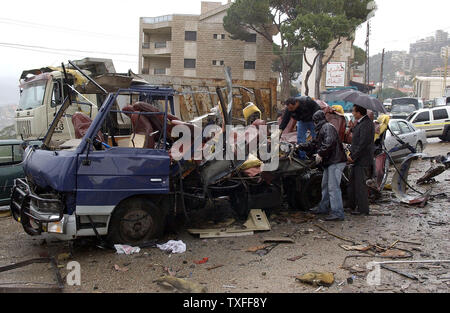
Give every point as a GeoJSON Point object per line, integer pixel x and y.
{"type": "Point", "coordinates": [251, 38]}
{"type": "Point", "coordinates": [159, 71]}
{"type": "Point", "coordinates": [190, 36]}
{"type": "Point", "coordinates": [222, 63]}
{"type": "Point", "coordinates": [160, 44]}
{"type": "Point", "coordinates": [223, 36]}
{"type": "Point", "coordinates": [218, 63]}
{"type": "Point", "coordinates": [214, 62]}
{"type": "Point", "coordinates": [215, 36]}
{"type": "Point", "coordinates": [249, 65]}
{"type": "Point", "coordinates": [189, 63]}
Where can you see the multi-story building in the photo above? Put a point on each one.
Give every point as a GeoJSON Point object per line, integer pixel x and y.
{"type": "Point", "coordinates": [199, 46]}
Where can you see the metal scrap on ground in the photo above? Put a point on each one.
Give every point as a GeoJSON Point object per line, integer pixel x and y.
{"type": "Point", "coordinates": [257, 221]}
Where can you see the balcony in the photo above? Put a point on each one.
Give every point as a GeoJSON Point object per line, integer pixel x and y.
{"type": "Point", "coordinates": [154, 48]}
{"type": "Point", "coordinates": [156, 71]}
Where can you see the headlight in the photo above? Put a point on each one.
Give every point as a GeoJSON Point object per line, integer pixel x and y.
{"type": "Point", "coordinates": [57, 227]}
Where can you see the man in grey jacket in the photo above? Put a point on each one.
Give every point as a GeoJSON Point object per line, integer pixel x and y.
{"type": "Point", "coordinates": [330, 153]}
{"type": "Point", "coordinates": [361, 158]}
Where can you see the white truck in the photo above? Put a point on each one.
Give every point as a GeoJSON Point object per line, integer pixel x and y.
{"type": "Point", "coordinates": [43, 91]}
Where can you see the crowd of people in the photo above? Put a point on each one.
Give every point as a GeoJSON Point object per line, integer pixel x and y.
{"type": "Point", "coordinates": [328, 150]}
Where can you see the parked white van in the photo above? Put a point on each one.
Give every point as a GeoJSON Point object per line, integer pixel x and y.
{"type": "Point", "coordinates": [433, 120]}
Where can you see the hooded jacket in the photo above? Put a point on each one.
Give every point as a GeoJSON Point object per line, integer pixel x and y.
{"type": "Point", "coordinates": [304, 112]}
{"type": "Point", "coordinates": [327, 143]}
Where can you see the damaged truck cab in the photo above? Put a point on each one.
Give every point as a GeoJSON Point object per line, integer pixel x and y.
{"type": "Point", "coordinates": [87, 187]}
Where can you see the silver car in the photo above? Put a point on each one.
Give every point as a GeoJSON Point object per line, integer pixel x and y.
{"type": "Point", "coordinates": [408, 133]}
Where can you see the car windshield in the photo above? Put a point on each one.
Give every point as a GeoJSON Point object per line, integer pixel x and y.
{"type": "Point", "coordinates": [406, 101]}
{"type": "Point", "coordinates": [32, 95]}
{"type": "Point", "coordinates": [403, 108]}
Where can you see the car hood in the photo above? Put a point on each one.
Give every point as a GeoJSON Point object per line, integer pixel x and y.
{"type": "Point", "coordinates": [51, 169]}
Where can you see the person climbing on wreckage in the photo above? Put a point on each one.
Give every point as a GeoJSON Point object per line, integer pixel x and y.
{"type": "Point", "coordinates": [329, 152]}
{"type": "Point", "coordinates": [302, 110]}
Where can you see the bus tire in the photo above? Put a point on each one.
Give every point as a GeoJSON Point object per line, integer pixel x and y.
{"type": "Point", "coordinates": [135, 221]}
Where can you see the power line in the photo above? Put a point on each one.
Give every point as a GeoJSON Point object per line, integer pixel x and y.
{"type": "Point", "coordinates": [59, 53]}
{"type": "Point", "coordinates": [58, 28]}
{"type": "Point", "coordinates": [60, 49]}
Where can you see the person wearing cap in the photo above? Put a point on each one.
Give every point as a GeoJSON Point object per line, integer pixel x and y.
{"type": "Point", "coordinates": [302, 110]}
{"type": "Point", "coordinates": [251, 113]}
{"type": "Point", "coordinates": [330, 154]}
{"type": "Point", "coordinates": [361, 157]}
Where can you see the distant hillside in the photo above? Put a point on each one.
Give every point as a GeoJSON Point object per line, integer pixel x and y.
{"type": "Point", "coordinates": [8, 132]}
{"type": "Point", "coordinates": [7, 115]}
{"type": "Point", "coordinates": [9, 90]}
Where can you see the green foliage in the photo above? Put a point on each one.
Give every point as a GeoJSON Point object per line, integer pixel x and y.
{"type": "Point", "coordinates": [392, 93]}
{"type": "Point", "coordinates": [269, 18]}
{"type": "Point", "coordinates": [360, 56]}
{"type": "Point", "coordinates": [322, 21]}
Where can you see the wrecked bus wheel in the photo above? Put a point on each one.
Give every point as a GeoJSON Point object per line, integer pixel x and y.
{"type": "Point", "coordinates": [135, 222]}
{"type": "Point", "coordinates": [305, 193]}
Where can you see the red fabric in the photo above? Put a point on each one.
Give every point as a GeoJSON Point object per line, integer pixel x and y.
{"type": "Point", "coordinates": [81, 123]}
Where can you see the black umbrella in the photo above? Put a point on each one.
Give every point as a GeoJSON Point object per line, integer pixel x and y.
{"type": "Point", "coordinates": [358, 98]}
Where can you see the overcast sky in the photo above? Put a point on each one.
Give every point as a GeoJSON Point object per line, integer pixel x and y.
{"type": "Point", "coordinates": [99, 26]}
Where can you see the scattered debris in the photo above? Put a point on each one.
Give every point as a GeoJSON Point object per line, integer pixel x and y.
{"type": "Point", "coordinates": [257, 221]}
{"type": "Point", "coordinates": [295, 258]}
{"type": "Point", "coordinates": [63, 257]}
{"type": "Point", "coordinates": [169, 271]}
{"type": "Point", "coordinates": [334, 235]}
{"type": "Point", "coordinates": [351, 279]}
{"type": "Point", "coordinates": [214, 267]}
{"type": "Point", "coordinates": [279, 239]}
{"type": "Point", "coordinates": [181, 285]}
{"type": "Point", "coordinates": [58, 287]}
{"type": "Point", "coordinates": [257, 248]}
{"type": "Point", "coordinates": [202, 261]}
{"type": "Point", "coordinates": [404, 274]}
{"type": "Point", "coordinates": [173, 246]}
{"type": "Point", "coordinates": [317, 279]}
{"type": "Point", "coordinates": [400, 183]}
{"type": "Point", "coordinates": [394, 253]}
{"type": "Point", "coordinates": [120, 269]}
{"type": "Point", "coordinates": [229, 286]}
{"type": "Point", "coordinates": [431, 223]}
{"type": "Point", "coordinates": [125, 249]}
{"type": "Point", "coordinates": [362, 248]}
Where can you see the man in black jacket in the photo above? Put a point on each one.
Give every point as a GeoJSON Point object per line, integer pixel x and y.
{"type": "Point", "coordinates": [361, 158]}
{"type": "Point", "coordinates": [330, 152]}
{"type": "Point", "coordinates": [301, 109]}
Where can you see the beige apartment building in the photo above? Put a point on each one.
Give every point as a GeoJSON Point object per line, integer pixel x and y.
{"type": "Point", "coordinates": [198, 46]}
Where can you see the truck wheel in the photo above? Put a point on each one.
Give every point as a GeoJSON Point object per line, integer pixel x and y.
{"type": "Point", "coordinates": [135, 222]}
{"type": "Point", "coordinates": [446, 134]}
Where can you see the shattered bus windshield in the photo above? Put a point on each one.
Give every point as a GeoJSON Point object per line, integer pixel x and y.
{"type": "Point", "coordinates": [32, 95]}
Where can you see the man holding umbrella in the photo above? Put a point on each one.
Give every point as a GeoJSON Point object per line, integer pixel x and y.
{"type": "Point", "coordinates": [361, 158]}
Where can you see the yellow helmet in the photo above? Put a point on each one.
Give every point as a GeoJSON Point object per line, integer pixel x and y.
{"type": "Point", "coordinates": [250, 109]}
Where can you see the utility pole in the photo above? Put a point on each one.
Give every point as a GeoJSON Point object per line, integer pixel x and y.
{"type": "Point", "coordinates": [367, 67]}
{"type": "Point", "coordinates": [381, 77]}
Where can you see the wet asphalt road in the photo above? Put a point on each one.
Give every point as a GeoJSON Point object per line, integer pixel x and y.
{"type": "Point", "coordinates": [249, 272]}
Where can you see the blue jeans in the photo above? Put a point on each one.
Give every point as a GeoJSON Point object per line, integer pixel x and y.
{"type": "Point", "coordinates": [302, 128]}
{"type": "Point", "coordinates": [331, 190]}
